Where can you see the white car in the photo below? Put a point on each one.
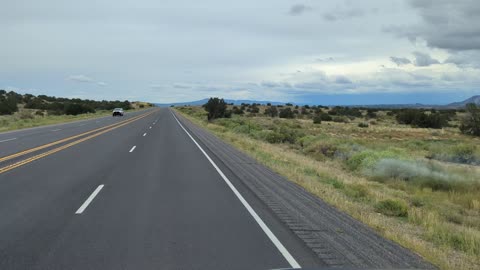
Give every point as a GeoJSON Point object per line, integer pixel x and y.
{"type": "Point", "coordinates": [118, 112]}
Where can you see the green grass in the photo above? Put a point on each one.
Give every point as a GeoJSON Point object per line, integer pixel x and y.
{"type": "Point", "coordinates": [393, 208]}
{"type": "Point", "coordinates": [409, 184]}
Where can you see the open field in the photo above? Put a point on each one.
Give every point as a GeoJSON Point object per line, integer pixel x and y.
{"type": "Point", "coordinates": [417, 186]}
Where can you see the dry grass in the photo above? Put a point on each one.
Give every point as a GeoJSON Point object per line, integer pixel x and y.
{"type": "Point", "coordinates": [443, 226]}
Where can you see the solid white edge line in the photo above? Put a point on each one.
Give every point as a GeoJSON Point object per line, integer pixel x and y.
{"type": "Point", "coordinates": [133, 148]}
{"type": "Point", "coordinates": [89, 200]}
{"type": "Point", "coordinates": [7, 140]}
{"type": "Point", "coordinates": [293, 263]}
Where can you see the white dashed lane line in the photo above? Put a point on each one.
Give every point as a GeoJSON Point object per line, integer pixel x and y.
{"type": "Point", "coordinates": [7, 140]}
{"type": "Point", "coordinates": [133, 148]}
{"type": "Point", "coordinates": [89, 200]}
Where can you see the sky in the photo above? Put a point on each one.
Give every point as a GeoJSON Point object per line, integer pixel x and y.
{"type": "Point", "coordinates": [310, 51]}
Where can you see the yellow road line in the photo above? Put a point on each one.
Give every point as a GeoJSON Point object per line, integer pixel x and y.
{"type": "Point", "coordinates": [28, 160]}
{"type": "Point", "coordinates": [66, 139]}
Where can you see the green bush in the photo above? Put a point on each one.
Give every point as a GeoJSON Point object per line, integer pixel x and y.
{"type": "Point", "coordinates": [286, 113]}
{"type": "Point", "coordinates": [216, 108]}
{"type": "Point", "coordinates": [271, 111]}
{"type": "Point", "coordinates": [368, 158]}
{"type": "Point", "coordinates": [317, 119]}
{"type": "Point", "coordinates": [458, 153]}
{"type": "Point", "coordinates": [471, 123]}
{"type": "Point", "coordinates": [363, 125]}
{"type": "Point", "coordinates": [76, 108]}
{"type": "Point", "coordinates": [340, 119]}
{"type": "Point", "coordinates": [393, 208]}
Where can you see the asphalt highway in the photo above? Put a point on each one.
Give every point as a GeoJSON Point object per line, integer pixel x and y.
{"type": "Point", "coordinates": [138, 192]}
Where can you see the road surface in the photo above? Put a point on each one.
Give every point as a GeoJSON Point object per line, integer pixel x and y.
{"type": "Point", "coordinates": [149, 191]}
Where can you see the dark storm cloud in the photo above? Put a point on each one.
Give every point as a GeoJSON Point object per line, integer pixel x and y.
{"type": "Point", "coordinates": [400, 60]}
{"type": "Point", "coordinates": [450, 25]}
{"type": "Point", "coordinates": [424, 60]}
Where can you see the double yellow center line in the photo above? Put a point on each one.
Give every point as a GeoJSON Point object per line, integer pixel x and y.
{"type": "Point", "coordinates": [94, 133]}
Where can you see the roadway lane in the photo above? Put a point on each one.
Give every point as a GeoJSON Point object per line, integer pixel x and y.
{"type": "Point", "coordinates": [162, 206]}
{"type": "Point", "coordinates": [18, 140]}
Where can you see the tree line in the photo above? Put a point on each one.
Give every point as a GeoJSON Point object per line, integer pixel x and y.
{"type": "Point", "coordinates": [10, 101]}
{"type": "Point", "coordinates": [417, 118]}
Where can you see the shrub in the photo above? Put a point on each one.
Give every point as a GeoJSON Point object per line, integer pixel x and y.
{"type": "Point", "coordinates": [271, 111]}
{"type": "Point", "coordinates": [393, 208]}
{"type": "Point", "coordinates": [357, 191]}
{"type": "Point", "coordinates": [8, 105]}
{"type": "Point", "coordinates": [340, 119]}
{"type": "Point", "coordinates": [459, 153]}
{"type": "Point", "coordinates": [471, 123]}
{"type": "Point", "coordinates": [325, 117]}
{"type": "Point", "coordinates": [254, 109]}
{"type": "Point", "coordinates": [236, 110]}
{"type": "Point", "coordinates": [421, 174]}
{"type": "Point", "coordinates": [317, 119]}
{"type": "Point", "coordinates": [418, 118]}
{"type": "Point", "coordinates": [363, 125]}
{"type": "Point", "coordinates": [216, 108]}
{"type": "Point", "coordinates": [25, 115]}
{"type": "Point", "coordinates": [286, 113]}
{"type": "Point", "coordinates": [368, 159]}
{"type": "Point", "coordinates": [75, 108]}
{"type": "Point", "coordinates": [273, 137]}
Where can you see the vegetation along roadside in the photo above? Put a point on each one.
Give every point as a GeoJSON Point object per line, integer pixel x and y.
{"type": "Point", "coordinates": [411, 174]}
{"type": "Point", "coordinates": [19, 111]}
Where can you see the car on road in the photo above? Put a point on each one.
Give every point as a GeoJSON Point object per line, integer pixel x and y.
{"type": "Point", "coordinates": [118, 112]}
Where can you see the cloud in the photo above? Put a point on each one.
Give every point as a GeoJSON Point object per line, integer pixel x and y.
{"type": "Point", "coordinates": [270, 84]}
{"type": "Point", "coordinates": [400, 61]}
{"type": "Point", "coordinates": [181, 86]}
{"type": "Point", "coordinates": [465, 59]}
{"type": "Point", "coordinates": [101, 83]}
{"type": "Point", "coordinates": [450, 25]}
{"type": "Point", "coordinates": [342, 14]}
{"type": "Point", "coordinates": [299, 9]}
{"type": "Point", "coordinates": [80, 79]}
{"type": "Point", "coordinates": [328, 59]}
{"type": "Point", "coordinates": [342, 80]}
{"type": "Point", "coordinates": [424, 60]}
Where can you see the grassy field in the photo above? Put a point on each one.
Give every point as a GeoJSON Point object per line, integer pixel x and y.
{"type": "Point", "coordinates": [419, 187]}
{"type": "Point", "coordinates": [26, 118]}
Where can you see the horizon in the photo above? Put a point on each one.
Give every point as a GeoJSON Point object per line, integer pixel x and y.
{"type": "Point", "coordinates": [334, 52]}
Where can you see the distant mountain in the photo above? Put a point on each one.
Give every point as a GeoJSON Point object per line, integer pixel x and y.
{"type": "Point", "coordinates": [454, 105]}
{"type": "Point", "coordinates": [474, 99]}
{"type": "Point", "coordinates": [203, 101]}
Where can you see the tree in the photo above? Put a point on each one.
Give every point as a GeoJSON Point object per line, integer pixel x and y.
{"type": "Point", "coordinates": [471, 123]}
{"type": "Point", "coordinates": [254, 108]}
{"type": "Point", "coordinates": [216, 108]}
{"type": "Point", "coordinates": [8, 105]}
{"type": "Point", "coordinates": [286, 113]}
{"type": "Point", "coordinates": [237, 110]}
{"type": "Point", "coordinates": [271, 111]}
